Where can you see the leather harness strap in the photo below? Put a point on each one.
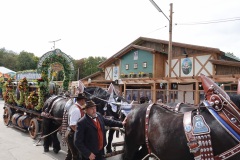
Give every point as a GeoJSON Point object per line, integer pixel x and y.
{"type": "Point", "coordinates": [199, 143]}
{"type": "Point", "coordinates": [229, 153]}
{"type": "Point", "coordinates": [177, 108]}
{"type": "Point", "coordinates": [226, 110]}
{"type": "Point", "coordinates": [146, 127]}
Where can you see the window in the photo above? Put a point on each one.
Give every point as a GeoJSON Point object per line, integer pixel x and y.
{"type": "Point", "coordinates": [135, 65]}
{"type": "Point", "coordinates": [144, 64]}
{"type": "Point", "coordinates": [127, 66]}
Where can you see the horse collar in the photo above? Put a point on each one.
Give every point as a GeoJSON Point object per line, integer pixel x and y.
{"type": "Point", "coordinates": [150, 154]}
{"type": "Point", "coordinates": [198, 136]}
{"type": "Point", "coordinates": [199, 139]}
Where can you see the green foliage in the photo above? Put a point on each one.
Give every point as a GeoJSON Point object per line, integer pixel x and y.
{"type": "Point", "coordinates": [26, 61]}
{"type": "Point", "coordinates": [8, 59]}
{"type": "Point", "coordinates": [88, 66]}
{"type": "Point", "coordinates": [56, 58]}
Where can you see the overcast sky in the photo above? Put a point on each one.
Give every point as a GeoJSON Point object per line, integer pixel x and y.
{"type": "Point", "coordinates": [103, 27]}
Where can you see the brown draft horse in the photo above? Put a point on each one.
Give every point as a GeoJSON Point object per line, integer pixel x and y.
{"type": "Point", "coordinates": [166, 135]}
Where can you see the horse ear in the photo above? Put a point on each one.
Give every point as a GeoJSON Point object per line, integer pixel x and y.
{"type": "Point", "coordinates": [238, 88]}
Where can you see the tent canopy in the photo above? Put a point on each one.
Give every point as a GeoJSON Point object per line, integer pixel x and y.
{"type": "Point", "coordinates": [6, 72]}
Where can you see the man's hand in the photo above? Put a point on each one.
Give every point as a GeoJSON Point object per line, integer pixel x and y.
{"type": "Point", "coordinates": [92, 156]}
{"type": "Point", "coordinates": [124, 121]}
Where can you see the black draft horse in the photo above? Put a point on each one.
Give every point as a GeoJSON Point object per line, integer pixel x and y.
{"type": "Point", "coordinates": [55, 106]}
{"type": "Point", "coordinates": [166, 134]}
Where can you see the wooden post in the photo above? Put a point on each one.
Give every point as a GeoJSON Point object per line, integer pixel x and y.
{"type": "Point", "coordinates": [196, 94]}
{"type": "Point", "coordinates": [170, 53]}
{"type": "Point", "coordinates": [124, 88]}
{"type": "Point", "coordinates": [154, 95]}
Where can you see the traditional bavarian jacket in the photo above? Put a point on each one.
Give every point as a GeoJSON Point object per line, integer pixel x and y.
{"type": "Point", "coordinates": [87, 136]}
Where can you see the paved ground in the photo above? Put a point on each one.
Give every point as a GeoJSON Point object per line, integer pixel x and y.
{"type": "Point", "coordinates": [17, 145]}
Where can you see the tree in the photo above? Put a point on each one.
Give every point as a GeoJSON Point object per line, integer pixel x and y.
{"type": "Point", "coordinates": [88, 66]}
{"type": "Point", "coordinates": [26, 61]}
{"type": "Point", "coordinates": [8, 59]}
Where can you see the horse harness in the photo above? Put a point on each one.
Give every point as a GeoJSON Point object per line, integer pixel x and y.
{"type": "Point", "coordinates": [198, 132]}
{"type": "Point", "coordinates": [174, 109]}
{"type": "Point", "coordinates": [150, 154]}
{"type": "Point", "coordinates": [47, 112]}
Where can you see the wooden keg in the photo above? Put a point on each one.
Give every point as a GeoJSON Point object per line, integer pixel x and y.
{"type": "Point", "coordinates": [24, 121]}
{"type": "Point", "coordinates": [15, 118]}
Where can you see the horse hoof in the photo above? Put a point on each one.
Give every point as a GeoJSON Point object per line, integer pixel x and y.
{"type": "Point", "coordinates": [46, 150]}
{"type": "Point", "coordinates": [56, 150]}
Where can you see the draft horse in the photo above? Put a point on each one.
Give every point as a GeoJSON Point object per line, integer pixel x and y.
{"type": "Point", "coordinates": [165, 134]}
{"type": "Point", "coordinates": [54, 110]}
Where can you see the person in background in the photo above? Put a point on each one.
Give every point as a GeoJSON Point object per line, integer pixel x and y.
{"type": "Point", "coordinates": [75, 113]}
{"type": "Point", "coordinates": [90, 136]}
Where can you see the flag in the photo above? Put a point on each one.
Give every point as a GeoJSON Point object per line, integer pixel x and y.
{"type": "Point", "coordinates": [111, 100]}
{"type": "Point", "coordinates": [80, 87]}
{"type": "Point", "coordinates": [111, 89]}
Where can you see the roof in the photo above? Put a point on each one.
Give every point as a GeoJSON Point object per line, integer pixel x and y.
{"type": "Point", "coordinates": [137, 44]}
{"type": "Point", "coordinates": [225, 63]}
{"type": "Point", "coordinates": [5, 70]}
{"type": "Point", "coordinates": [232, 56]}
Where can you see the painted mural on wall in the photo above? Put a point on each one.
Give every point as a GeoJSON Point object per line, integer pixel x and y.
{"type": "Point", "coordinates": [115, 73]}
{"type": "Point", "coordinates": [186, 66]}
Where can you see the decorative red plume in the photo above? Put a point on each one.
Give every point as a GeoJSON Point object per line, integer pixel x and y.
{"type": "Point", "coordinates": [207, 83]}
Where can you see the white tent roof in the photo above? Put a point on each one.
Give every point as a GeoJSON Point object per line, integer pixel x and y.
{"type": "Point", "coordinates": [5, 70]}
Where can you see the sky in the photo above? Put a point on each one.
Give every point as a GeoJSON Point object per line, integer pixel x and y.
{"type": "Point", "coordinates": [83, 28]}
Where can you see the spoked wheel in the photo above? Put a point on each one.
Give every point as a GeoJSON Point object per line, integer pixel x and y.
{"type": "Point", "coordinates": [33, 128]}
{"type": "Point", "coordinates": [7, 114]}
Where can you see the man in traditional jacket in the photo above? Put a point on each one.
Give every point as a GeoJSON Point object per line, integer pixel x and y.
{"type": "Point", "coordinates": [90, 135]}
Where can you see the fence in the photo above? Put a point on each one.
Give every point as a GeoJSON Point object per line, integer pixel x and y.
{"type": "Point", "coordinates": [165, 96]}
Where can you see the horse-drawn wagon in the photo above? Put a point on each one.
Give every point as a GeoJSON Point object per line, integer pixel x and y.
{"type": "Point", "coordinates": [24, 100]}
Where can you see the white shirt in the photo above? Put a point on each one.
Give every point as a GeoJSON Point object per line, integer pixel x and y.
{"type": "Point", "coordinates": [74, 115]}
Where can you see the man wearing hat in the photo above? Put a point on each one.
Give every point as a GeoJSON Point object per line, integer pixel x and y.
{"type": "Point", "coordinates": [75, 113]}
{"type": "Point", "coordinates": [90, 135]}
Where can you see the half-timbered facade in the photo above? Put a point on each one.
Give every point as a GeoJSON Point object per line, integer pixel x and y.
{"type": "Point", "coordinates": [141, 69]}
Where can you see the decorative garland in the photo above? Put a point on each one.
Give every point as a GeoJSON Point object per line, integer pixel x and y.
{"type": "Point", "coordinates": [23, 88]}
{"type": "Point", "coordinates": [42, 91]}
{"type": "Point", "coordinates": [56, 58]}
{"type": "Point", "coordinates": [7, 91]}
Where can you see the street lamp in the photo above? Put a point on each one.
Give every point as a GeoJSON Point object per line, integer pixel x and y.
{"type": "Point", "coordinates": [170, 35]}
{"type": "Point", "coordinates": [169, 43]}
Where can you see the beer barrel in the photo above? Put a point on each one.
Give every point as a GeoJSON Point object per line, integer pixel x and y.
{"type": "Point", "coordinates": [24, 121]}
{"type": "Point", "coordinates": [15, 118]}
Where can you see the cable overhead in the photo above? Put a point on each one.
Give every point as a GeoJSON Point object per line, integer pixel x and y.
{"type": "Point", "coordinates": [210, 22]}
{"type": "Point", "coordinates": [156, 29]}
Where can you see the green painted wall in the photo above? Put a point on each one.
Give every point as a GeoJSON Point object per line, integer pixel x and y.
{"type": "Point", "coordinates": [143, 56]}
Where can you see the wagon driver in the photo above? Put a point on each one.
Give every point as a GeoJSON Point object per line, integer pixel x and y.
{"type": "Point", "coordinates": [75, 113]}
{"type": "Point", "coordinates": [90, 136]}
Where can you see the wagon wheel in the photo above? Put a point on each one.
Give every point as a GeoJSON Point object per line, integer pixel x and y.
{"type": "Point", "coordinates": [33, 128]}
{"type": "Point", "coordinates": [7, 114]}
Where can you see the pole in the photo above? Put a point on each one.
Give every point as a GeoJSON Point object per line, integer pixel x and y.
{"type": "Point", "coordinates": [170, 43]}
{"type": "Point", "coordinates": [170, 53]}
{"type": "Point", "coordinates": [169, 46]}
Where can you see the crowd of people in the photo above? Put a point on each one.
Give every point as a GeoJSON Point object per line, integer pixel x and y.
{"type": "Point", "coordinates": [86, 134]}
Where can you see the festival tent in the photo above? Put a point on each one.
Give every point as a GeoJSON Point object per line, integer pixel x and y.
{"type": "Point", "coordinates": [6, 73]}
